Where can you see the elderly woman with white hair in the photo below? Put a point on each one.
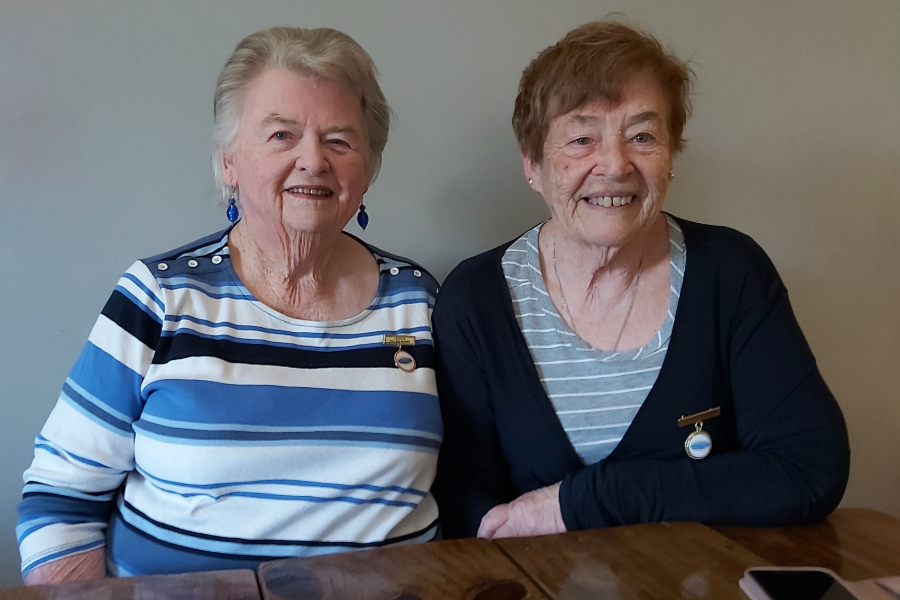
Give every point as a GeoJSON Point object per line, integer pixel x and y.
{"type": "Point", "coordinates": [266, 391]}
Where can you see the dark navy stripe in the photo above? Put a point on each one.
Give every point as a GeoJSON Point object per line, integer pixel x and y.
{"type": "Point", "coordinates": [265, 542]}
{"type": "Point", "coordinates": [189, 345]}
{"type": "Point", "coordinates": [42, 504]}
{"type": "Point", "coordinates": [96, 411]}
{"type": "Point", "coordinates": [271, 436]}
{"type": "Point", "coordinates": [98, 494]}
{"type": "Point", "coordinates": [143, 554]}
{"type": "Point", "coordinates": [130, 317]}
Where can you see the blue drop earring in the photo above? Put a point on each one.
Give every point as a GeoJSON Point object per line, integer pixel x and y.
{"type": "Point", "coordinates": [362, 218]}
{"type": "Point", "coordinates": [232, 212]}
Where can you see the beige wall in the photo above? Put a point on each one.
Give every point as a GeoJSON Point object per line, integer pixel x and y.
{"type": "Point", "coordinates": [105, 120]}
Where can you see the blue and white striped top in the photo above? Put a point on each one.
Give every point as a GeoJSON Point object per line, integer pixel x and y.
{"type": "Point", "coordinates": [596, 394]}
{"type": "Point", "coordinates": [200, 429]}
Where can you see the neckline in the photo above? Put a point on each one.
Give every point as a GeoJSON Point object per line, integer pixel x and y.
{"type": "Point", "coordinates": [258, 304]}
{"type": "Point", "coordinates": [546, 303]}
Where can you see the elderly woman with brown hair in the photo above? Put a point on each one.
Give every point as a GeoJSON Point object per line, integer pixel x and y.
{"type": "Point", "coordinates": [266, 391]}
{"type": "Point", "coordinates": [616, 364]}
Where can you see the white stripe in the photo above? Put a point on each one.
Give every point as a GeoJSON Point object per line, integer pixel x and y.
{"type": "Point", "coordinates": [601, 376]}
{"type": "Point", "coordinates": [591, 410]}
{"type": "Point", "coordinates": [205, 368]}
{"type": "Point", "coordinates": [598, 427]}
{"type": "Point", "coordinates": [565, 362]}
{"type": "Point", "coordinates": [609, 441]}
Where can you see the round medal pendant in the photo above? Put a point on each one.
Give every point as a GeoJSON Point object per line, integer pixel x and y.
{"type": "Point", "coordinates": [404, 361]}
{"type": "Point", "coordinates": [699, 444]}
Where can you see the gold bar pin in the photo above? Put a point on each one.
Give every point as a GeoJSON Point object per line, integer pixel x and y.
{"type": "Point", "coordinates": [403, 360]}
{"type": "Point", "coordinates": [699, 416]}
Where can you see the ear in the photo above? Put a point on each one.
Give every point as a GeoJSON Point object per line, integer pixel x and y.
{"type": "Point", "coordinates": [229, 174]}
{"type": "Point", "coordinates": [532, 172]}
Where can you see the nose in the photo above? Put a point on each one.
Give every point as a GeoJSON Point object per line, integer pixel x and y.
{"type": "Point", "coordinates": [311, 156]}
{"type": "Point", "coordinates": [613, 159]}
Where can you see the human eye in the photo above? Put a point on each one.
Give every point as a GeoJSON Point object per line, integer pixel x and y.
{"type": "Point", "coordinates": [643, 138]}
{"type": "Point", "coordinates": [281, 136]}
{"type": "Point", "coordinates": [582, 141]}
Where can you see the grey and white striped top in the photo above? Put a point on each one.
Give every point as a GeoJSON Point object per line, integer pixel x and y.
{"type": "Point", "coordinates": [596, 394]}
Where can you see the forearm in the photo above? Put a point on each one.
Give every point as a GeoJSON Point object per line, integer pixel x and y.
{"type": "Point", "coordinates": [742, 488]}
{"type": "Point", "coordinates": [78, 567]}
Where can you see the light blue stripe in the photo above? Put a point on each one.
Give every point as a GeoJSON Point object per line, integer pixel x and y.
{"type": "Point", "coordinates": [297, 334]}
{"type": "Point", "coordinates": [230, 296]}
{"type": "Point", "coordinates": [62, 553]}
{"type": "Point", "coordinates": [127, 419]}
{"type": "Point", "coordinates": [94, 418]}
{"type": "Point", "coordinates": [273, 428]}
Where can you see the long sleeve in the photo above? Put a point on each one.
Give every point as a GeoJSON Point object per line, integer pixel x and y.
{"type": "Point", "coordinates": [788, 459]}
{"type": "Point", "coordinates": [473, 475]}
{"type": "Point", "coordinates": [780, 449]}
{"type": "Point", "coordinates": [86, 447]}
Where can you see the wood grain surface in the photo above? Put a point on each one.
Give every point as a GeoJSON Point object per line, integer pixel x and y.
{"type": "Point", "coordinates": [656, 561]}
{"type": "Point", "coordinates": [855, 543]}
{"type": "Point", "coordinates": [212, 585]}
{"type": "Point", "coordinates": [451, 570]}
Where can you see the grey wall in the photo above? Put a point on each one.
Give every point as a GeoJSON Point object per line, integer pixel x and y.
{"type": "Point", "coordinates": [105, 119]}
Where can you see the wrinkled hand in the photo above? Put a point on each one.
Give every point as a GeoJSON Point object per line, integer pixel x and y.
{"type": "Point", "coordinates": [534, 513]}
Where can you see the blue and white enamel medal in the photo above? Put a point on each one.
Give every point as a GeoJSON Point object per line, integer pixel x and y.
{"type": "Point", "coordinates": [699, 443]}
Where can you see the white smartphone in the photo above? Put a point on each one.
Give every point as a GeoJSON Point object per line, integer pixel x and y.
{"type": "Point", "coordinates": [794, 583]}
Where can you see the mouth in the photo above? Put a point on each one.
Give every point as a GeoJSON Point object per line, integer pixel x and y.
{"type": "Point", "coordinates": [608, 201]}
{"type": "Point", "coordinates": [315, 191]}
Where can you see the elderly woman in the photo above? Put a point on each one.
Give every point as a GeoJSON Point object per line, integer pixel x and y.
{"type": "Point", "coordinates": [615, 364]}
{"type": "Point", "coordinates": [266, 391]}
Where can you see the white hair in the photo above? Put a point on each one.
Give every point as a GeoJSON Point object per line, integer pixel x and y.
{"type": "Point", "coordinates": [325, 53]}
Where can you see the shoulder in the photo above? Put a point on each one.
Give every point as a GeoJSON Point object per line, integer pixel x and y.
{"type": "Point", "coordinates": [726, 252]}
{"type": "Point", "coordinates": [476, 276]}
{"type": "Point", "coordinates": [728, 268]}
{"type": "Point", "coordinates": [196, 258]}
{"type": "Point", "coordinates": [405, 275]}
{"type": "Point", "coordinates": [717, 243]}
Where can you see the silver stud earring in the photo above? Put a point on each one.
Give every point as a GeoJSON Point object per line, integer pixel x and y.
{"type": "Point", "coordinates": [530, 181]}
{"type": "Point", "coordinates": [671, 174]}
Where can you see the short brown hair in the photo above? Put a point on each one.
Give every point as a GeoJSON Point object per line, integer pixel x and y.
{"type": "Point", "coordinates": [594, 62]}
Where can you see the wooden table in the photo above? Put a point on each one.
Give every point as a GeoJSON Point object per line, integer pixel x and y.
{"type": "Point", "coordinates": [213, 585]}
{"type": "Point", "coordinates": [458, 569]}
{"type": "Point", "coordinates": [642, 562]}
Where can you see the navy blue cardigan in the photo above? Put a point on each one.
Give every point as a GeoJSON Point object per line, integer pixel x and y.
{"type": "Point", "coordinates": [780, 450]}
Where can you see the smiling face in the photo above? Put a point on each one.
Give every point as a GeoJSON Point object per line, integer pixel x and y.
{"type": "Point", "coordinates": [300, 159]}
{"type": "Point", "coordinates": [605, 168]}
